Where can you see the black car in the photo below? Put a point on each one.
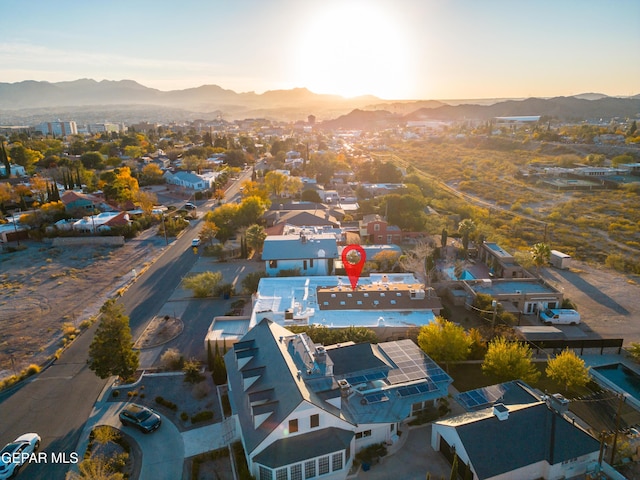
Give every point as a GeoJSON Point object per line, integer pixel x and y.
{"type": "Point", "coordinates": [142, 417]}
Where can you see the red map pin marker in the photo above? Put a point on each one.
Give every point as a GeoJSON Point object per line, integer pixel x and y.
{"type": "Point", "coordinates": [352, 265]}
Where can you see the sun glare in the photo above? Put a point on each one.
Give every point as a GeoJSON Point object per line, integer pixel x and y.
{"type": "Point", "coordinates": [353, 50]}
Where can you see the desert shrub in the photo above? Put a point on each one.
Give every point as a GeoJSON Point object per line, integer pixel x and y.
{"type": "Point", "coordinates": [192, 372]}
{"type": "Point", "coordinates": [166, 403]}
{"type": "Point", "coordinates": [172, 360]}
{"type": "Point", "coordinates": [202, 416]}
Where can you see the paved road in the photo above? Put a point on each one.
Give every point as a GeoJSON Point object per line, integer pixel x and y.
{"type": "Point", "coordinates": [57, 402]}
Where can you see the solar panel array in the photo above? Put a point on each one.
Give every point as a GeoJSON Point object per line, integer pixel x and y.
{"type": "Point", "coordinates": [412, 364]}
{"type": "Point", "coordinates": [366, 378]}
{"type": "Point", "coordinates": [480, 398]}
{"type": "Point", "coordinates": [376, 397]}
{"type": "Point", "coordinates": [418, 388]}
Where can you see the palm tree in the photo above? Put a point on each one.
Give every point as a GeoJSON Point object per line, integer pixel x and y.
{"type": "Point", "coordinates": [540, 254]}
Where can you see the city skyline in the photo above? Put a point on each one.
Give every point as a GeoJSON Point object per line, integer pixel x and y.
{"type": "Point", "coordinates": [405, 49]}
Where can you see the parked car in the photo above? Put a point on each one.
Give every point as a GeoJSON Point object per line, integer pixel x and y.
{"type": "Point", "coordinates": [195, 242]}
{"type": "Point", "coordinates": [141, 417]}
{"type": "Point", "coordinates": [15, 454]}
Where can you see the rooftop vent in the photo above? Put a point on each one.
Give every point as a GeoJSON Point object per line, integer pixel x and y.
{"type": "Point", "coordinates": [500, 411]}
{"type": "Point", "coordinates": [558, 403]}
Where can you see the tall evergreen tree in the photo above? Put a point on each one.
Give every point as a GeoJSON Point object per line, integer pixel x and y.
{"type": "Point", "coordinates": [111, 351]}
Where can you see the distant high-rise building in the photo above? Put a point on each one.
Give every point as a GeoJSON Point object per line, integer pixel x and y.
{"type": "Point", "coordinates": [58, 128]}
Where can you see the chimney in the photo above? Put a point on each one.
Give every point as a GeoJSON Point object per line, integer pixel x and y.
{"type": "Point", "coordinates": [500, 411]}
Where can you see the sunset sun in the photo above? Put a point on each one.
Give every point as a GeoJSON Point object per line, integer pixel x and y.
{"type": "Point", "coordinates": [353, 50]}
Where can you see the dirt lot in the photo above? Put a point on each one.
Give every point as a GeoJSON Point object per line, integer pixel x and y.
{"type": "Point", "coordinates": [608, 302]}
{"type": "Point", "coordinates": [43, 287]}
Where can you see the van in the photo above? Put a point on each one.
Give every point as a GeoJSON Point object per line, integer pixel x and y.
{"type": "Point", "coordinates": [560, 316]}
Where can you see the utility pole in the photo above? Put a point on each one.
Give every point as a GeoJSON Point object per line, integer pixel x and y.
{"type": "Point", "coordinates": [615, 434]}
{"type": "Point", "coordinates": [164, 229]}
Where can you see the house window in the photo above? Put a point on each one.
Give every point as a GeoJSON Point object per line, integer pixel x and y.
{"type": "Point", "coordinates": [293, 425]}
{"type": "Point", "coordinates": [323, 465]}
{"type": "Point", "coordinates": [304, 264]}
{"type": "Point", "coordinates": [315, 420]}
{"type": "Point", "coordinates": [310, 469]}
{"type": "Point", "coordinates": [325, 303]}
{"type": "Point", "coordinates": [382, 294]}
{"type": "Point", "coordinates": [366, 433]}
{"type": "Point", "coordinates": [282, 474]}
{"type": "Point", "coordinates": [342, 302]}
{"type": "Point", "coordinates": [393, 302]}
{"type": "Point", "coordinates": [273, 263]}
{"type": "Point", "coordinates": [336, 462]}
{"type": "Point", "coordinates": [265, 473]}
{"type": "Point", "coordinates": [376, 227]}
{"type": "Point", "coordinates": [379, 238]}
{"type": "Point", "coordinates": [311, 263]}
{"type": "Point", "coordinates": [359, 302]}
{"type": "Point", "coordinates": [296, 471]}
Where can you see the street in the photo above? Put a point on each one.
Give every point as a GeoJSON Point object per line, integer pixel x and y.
{"type": "Point", "coordinates": [56, 403]}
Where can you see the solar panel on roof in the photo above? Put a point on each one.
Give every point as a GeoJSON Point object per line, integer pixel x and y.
{"type": "Point", "coordinates": [376, 397]}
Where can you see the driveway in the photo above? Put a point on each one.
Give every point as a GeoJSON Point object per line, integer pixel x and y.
{"type": "Point", "coordinates": [414, 459]}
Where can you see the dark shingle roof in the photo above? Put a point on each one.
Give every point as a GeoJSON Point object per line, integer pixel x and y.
{"type": "Point", "coordinates": [302, 447]}
{"type": "Point", "coordinates": [530, 435]}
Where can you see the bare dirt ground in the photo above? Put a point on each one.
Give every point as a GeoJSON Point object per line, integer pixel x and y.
{"type": "Point", "coordinates": [44, 287]}
{"type": "Point", "coordinates": [608, 301]}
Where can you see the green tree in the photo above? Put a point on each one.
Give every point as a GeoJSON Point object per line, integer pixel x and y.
{"type": "Point", "coordinates": [255, 236]}
{"type": "Point", "coordinates": [507, 361]}
{"type": "Point", "coordinates": [208, 233]}
{"type": "Point", "coordinates": [111, 351]}
{"type": "Point", "coordinates": [92, 160]}
{"type": "Point", "coordinates": [226, 219]}
{"type": "Point", "coordinates": [568, 369]}
{"type": "Point", "coordinates": [25, 157]}
{"type": "Point", "coordinates": [634, 350]}
{"type": "Point", "coordinates": [203, 284]}
{"type": "Point", "coordinates": [444, 341]}
{"type": "Point", "coordinates": [540, 254]}
{"type": "Point", "coordinates": [465, 228]}
{"type": "Point", "coordinates": [250, 282]}
{"type": "Point", "coordinates": [310, 196]}
{"type": "Point", "coordinates": [275, 182]}
{"type": "Point", "coordinates": [250, 211]}
{"type": "Point", "coordinates": [5, 160]}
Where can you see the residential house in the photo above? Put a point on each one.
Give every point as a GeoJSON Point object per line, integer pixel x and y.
{"type": "Point", "coordinates": [301, 218]}
{"type": "Point", "coordinates": [189, 180]}
{"type": "Point", "coordinates": [525, 296]}
{"type": "Point", "coordinates": [101, 222]}
{"type": "Point", "coordinates": [78, 201]}
{"type": "Point", "coordinates": [393, 305]}
{"type": "Point", "coordinates": [375, 230]}
{"type": "Point", "coordinates": [14, 170]}
{"type": "Point", "coordinates": [530, 438]}
{"type": "Point", "coordinates": [304, 410]}
{"type": "Point", "coordinates": [501, 263]}
{"type": "Point", "coordinates": [311, 254]}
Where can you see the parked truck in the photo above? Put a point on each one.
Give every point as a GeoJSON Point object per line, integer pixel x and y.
{"type": "Point", "coordinates": [560, 316]}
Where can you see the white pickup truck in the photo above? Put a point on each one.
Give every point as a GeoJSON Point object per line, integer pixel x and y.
{"type": "Point", "coordinates": [559, 316]}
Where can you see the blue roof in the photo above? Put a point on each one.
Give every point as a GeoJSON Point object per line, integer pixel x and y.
{"type": "Point", "coordinates": [294, 247]}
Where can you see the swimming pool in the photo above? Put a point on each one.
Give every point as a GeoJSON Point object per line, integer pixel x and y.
{"type": "Point", "coordinates": [466, 275]}
{"type": "Point", "coordinates": [623, 377]}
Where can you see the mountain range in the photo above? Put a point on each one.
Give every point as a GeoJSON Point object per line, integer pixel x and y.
{"type": "Point", "coordinates": [88, 100]}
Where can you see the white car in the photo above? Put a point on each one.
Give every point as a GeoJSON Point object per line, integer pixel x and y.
{"type": "Point", "coordinates": [15, 454]}
{"type": "Point", "coordinates": [195, 242]}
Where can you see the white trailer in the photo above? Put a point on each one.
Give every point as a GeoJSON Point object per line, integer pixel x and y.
{"type": "Point", "coordinates": [560, 260]}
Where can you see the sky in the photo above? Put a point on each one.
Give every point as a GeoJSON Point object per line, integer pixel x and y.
{"type": "Point", "coordinates": [393, 49]}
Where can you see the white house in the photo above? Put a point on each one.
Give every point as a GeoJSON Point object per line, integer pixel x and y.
{"type": "Point", "coordinates": [311, 254]}
{"type": "Point", "coordinates": [524, 440]}
{"type": "Point", "coordinates": [190, 180]}
{"type": "Point", "coordinates": [304, 410]}
{"type": "Point", "coordinates": [15, 170]}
